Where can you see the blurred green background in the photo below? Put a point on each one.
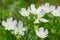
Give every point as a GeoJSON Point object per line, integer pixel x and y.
{"type": "Point", "coordinates": [10, 8]}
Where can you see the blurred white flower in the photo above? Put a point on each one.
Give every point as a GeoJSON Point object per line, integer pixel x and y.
{"type": "Point", "coordinates": [55, 11]}
{"type": "Point", "coordinates": [20, 29]}
{"type": "Point", "coordinates": [39, 12]}
{"type": "Point", "coordinates": [39, 18]}
{"type": "Point", "coordinates": [34, 10]}
{"type": "Point", "coordinates": [25, 12]}
{"type": "Point", "coordinates": [46, 8]}
{"type": "Point", "coordinates": [10, 24]}
{"type": "Point", "coordinates": [41, 33]}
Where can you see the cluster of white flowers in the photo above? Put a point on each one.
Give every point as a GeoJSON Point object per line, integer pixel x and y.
{"type": "Point", "coordinates": [18, 28]}
{"type": "Point", "coordinates": [41, 11]}
{"type": "Point", "coordinates": [12, 25]}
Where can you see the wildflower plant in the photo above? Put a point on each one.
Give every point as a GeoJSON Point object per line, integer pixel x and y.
{"type": "Point", "coordinates": [35, 18]}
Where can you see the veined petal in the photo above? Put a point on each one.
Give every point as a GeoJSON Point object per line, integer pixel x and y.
{"type": "Point", "coordinates": [43, 20]}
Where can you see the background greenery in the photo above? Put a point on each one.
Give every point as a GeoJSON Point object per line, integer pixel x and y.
{"type": "Point", "coordinates": [10, 8]}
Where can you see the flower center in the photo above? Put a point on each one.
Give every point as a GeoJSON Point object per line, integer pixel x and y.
{"type": "Point", "coordinates": [56, 14]}
{"type": "Point", "coordinates": [19, 29]}
{"type": "Point", "coordinates": [46, 9]}
{"type": "Point", "coordinates": [42, 35]}
{"type": "Point", "coordinates": [9, 26]}
{"type": "Point", "coordinates": [26, 14]}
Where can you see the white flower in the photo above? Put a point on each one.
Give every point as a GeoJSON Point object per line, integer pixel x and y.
{"type": "Point", "coordinates": [10, 24]}
{"type": "Point", "coordinates": [39, 18]}
{"type": "Point", "coordinates": [55, 11]}
{"type": "Point", "coordinates": [41, 33]}
{"type": "Point", "coordinates": [39, 12]}
{"type": "Point", "coordinates": [46, 8]}
{"type": "Point", "coordinates": [20, 29]}
{"type": "Point", "coordinates": [34, 10]}
{"type": "Point", "coordinates": [25, 12]}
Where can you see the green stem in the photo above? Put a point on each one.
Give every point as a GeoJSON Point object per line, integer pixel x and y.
{"type": "Point", "coordinates": [18, 37]}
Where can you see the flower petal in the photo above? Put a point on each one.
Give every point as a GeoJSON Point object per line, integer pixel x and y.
{"type": "Point", "coordinates": [21, 33]}
{"type": "Point", "coordinates": [24, 29]}
{"type": "Point", "coordinates": [4, 23]}
{"type": "Point", "coordinates": [43, 20]}
{"type": "Point", "coordinates": [39, 10]}
{"type": "Point", "coordinates": [9, 20]}
{"type": "Point", "coordinates": [36, 21]}
{"type": "Point", "coordinates": [58, 8]}
{"type": "Point", "coordinates": [14, 22]}
{"type": "Point", "coordinates": [52, 8]}
{"type": "Point", "coordinates": [47, 4]}
{"type": "Point", "coordinates": [23, 9]}
{"type": "Point", "coordinates": [46, 32]}
{"type": "Point", "coordinates": [20, 24]}
{"type": "Point", "coordinates": [28, 10]}
{"type": "Point", "coordinates": [41, 29]}
{"type": "Point", "coordinates": [33, 7]}
{"type": "Point", "coordinates": [41, 14]}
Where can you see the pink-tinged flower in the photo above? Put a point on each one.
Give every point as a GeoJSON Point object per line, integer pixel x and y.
{"type": "Point", "coordinates": [40, 18]}
{"type": "Point", "coordinates": [34, 10]}
{"type": "Point", "coordinates": [55, 11]}
{"type": "Point", "coordinates": [10, 24]}
{"type": "Point", "coordinates": [25, 12]}
{"type": "Point", "coordinates": [46, 8]}
{"type": "Point", "coordinates": [20, 29]}
{"type": "Point", "coordinates": [39, 12]}
{"type": "Point", "coordinates": [41, 33]}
